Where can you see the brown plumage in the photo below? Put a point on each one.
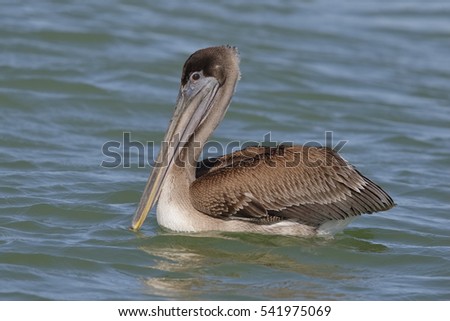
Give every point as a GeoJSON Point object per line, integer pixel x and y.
{"type": "Point", "coordinates": [309, 185]}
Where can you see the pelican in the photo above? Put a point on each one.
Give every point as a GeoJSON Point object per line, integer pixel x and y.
{"type": "Point", "coordinates": [287, 190]}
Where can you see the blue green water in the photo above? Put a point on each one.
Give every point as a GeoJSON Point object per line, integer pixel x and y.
{"type": "Point", "coordinates": [75, 75]}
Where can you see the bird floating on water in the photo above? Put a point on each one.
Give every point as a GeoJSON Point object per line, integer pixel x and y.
{"type": "Point", "coordinates": [258, 189]}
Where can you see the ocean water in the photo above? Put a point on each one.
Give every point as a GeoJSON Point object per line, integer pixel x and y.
{"type": "Point", "coordinates": [77, 75]}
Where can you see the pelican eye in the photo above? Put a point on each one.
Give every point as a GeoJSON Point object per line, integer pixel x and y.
{"type": "Point", "coordinates": [195, 76]}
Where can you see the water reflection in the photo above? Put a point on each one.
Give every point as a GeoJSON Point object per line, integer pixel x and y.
{"type": "Point", "coordinates": [251, 267]}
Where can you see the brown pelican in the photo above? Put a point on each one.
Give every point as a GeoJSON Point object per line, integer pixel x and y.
{"type": "Point", "coordinates": [296, 190]}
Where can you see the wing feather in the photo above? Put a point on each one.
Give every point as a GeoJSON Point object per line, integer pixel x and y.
{"type": "Point", "coordinates": [310, 185]}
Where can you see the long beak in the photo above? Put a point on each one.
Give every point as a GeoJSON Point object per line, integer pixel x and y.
{"type": "Point", "coordinates": [192, 108]}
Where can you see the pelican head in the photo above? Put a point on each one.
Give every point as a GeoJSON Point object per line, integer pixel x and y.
{"type": "Point", "coordinates": [208, 82]}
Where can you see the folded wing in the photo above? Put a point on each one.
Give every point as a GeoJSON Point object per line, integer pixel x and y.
{"type": "Point", "coordinates": [310, 185]}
